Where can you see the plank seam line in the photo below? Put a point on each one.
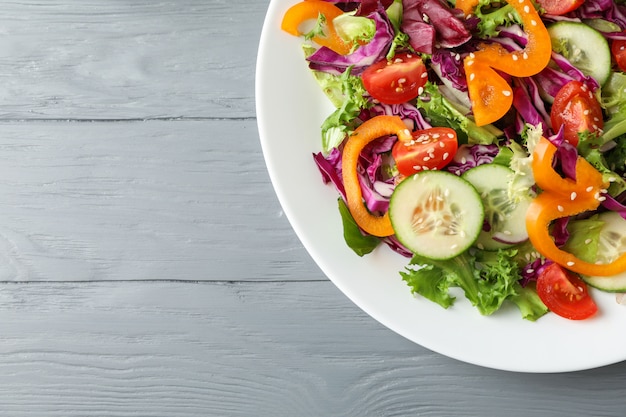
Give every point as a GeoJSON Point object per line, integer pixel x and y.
{"type": "Point", "coordinates": [129, 120]}
{"type": "Point", "coordinates": [176, 281]}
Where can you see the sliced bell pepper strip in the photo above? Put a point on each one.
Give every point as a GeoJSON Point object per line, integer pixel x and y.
{"type": "Point", "coordinates": [311, 9]}
{"type": "Point", "coordinates": [371, 129]}
{"type": "Point", "coordinates": [466, 6]}
{"type": "Point", "coordinates": [491, 96]}
{"type": "Point", "coordinates": [563, 197]}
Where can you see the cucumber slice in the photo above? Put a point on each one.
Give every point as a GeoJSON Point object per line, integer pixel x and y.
{"type": "Point", "coordinates": [612, 244]}
{"type": "Point", "coordinates": [584, 47]}
{"type": "Point", "coordinates": [506, 219]}
{"type": "Point", "coordinates": [436, 214]}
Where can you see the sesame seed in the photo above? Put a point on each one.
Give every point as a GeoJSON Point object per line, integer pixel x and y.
{"type": "Point", "coordinates": [589, 189]}
{"type": "Point", "coordinates": [525, 55]}
{"type": "Point", "coordinates": [480, 246]}
{"type": "Point", "coordinates": [570, 263]}
{"type": "Point", "coordinates": [471, 55]}
{"type": "Point", "coordinates": [472, 76]}
{"type": "Point", "coordinates": [436, 135]}
{"type": "Point", "coordinates": [398, 61]}
{"type": "Point", "coordinates": [442, 145]}
{"type": "Point", "coordinates": [573, 196]}
{"type": "Point", "coordinates": [515, 57]}
{"type": "Point", "coordinates": [533, 22]}
{"type": "Point", "coordinates": [507, 232]}
{"type": "Point", "coordinates": [560, 208]}
{"type": "Point", "coordinates": [424, 167]}
{"type": "Point", "coordinates": [530, 271]}
{"type": "Point", "coordinates": [445, 156]}
{"type": "Point", "coordinates": [469, 63]}
{"type": "Point", "coordinates": [401, 80]}
{"type": "Point", "coordinates": [426, 159]}
{"type": "Point", "coordinates": [506, 93]}
{"type": "Point", "coordinates": [601, 198]}
{"type": "Point", "coordinates": [463, 160]}
{"type": "Point", "coordinates": [451, 135]}
{"type": "Point", "coordinates": [420, 91]}
{"type": "Point", "coordinates": [424, 75]}
{"type": "Point", "coordinates": [587, 241]}
{"type": "Point", "coordinates": [454, 246]}
{"type": "Point", "coordinates": [526, 9]}
{"type": "Point", "coordinates": [417, 168]}
{"type": "Point", "coordinates": [586, 112]}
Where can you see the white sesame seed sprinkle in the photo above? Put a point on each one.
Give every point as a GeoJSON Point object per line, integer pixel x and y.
{"type": "Point", "coordinates": [560, 208]}
{"type": "Point", "coordinates": [573, 196]}
{"type": "Point", "coordinates": [589, 189]}
{"type": "Point", "coordinates": [570, 263]}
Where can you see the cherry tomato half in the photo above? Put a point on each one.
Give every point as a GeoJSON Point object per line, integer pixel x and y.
{"type": "Point", "coordinates": [430, 149]}
{"type": "Point", "coordinates": [618, 49]}
{"type": "Point", "coordinates": [559, 7]}
{"type": "Point", "coordinates": [395, 81]}
{"type": "Point", "coordinates": [564, 293]}
{"type": "Point", "coordinates": [576, 109]}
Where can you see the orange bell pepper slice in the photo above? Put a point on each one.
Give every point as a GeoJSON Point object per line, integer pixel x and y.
{"type": "Point", "coordinates": [490, 94]}
{"type": "Point", "coordinates": [311, 9]}
{"type": "Point", "coordinates": [370, 130]}
{"type": "Point", "coordinates": [563, 197]}
{"type": "Point", "coordinates": [466, 6]}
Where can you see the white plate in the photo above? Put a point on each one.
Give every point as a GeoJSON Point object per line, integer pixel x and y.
{"type": "Point", "coordinates": [290, 109]}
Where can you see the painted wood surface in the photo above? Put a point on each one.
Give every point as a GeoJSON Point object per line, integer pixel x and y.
{"type": "Point", "coordinates": [146, 268]}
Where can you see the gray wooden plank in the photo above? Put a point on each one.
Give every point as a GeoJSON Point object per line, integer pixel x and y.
{"type": "Point", "coordinates": [248, 349]}
{"type": "Point", "coordinates": [128, 58]}
{"type": "Point", "coordinates": [187, 200]}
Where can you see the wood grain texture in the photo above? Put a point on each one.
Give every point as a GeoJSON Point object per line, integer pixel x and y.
{"type": "Point", "coordinates": [186, 200]}
{"type": "Point", "coordinates": [245, 349]}
{"type": "Point", "coordinates": [94, 59]}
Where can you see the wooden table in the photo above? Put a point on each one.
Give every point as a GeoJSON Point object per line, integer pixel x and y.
{"type": "Point", "coordinates": [146, 266]}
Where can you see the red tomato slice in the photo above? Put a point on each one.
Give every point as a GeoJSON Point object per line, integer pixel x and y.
{"type": "Point", "coordinates": [618, 49]}
{"type": "Point", "coordinates": [577, 110]}
{"type": "Point", "coordinates": [559, 7]}
{"type": "Point", "coordinates": [430, 149]}
{"type": "Point", "coordinates": [565, 294]}
{"type": "Point", "coordinates": [395, 81]}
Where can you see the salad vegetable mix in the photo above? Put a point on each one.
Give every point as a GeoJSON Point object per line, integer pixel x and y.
{"type": "Point", "coordinates": [483, 140]}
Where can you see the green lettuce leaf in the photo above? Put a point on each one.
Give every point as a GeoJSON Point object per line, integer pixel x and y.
{"type": "Point", "coordinates": [348, 95]}
{"type": "Point", "coordinates": [487, 278]}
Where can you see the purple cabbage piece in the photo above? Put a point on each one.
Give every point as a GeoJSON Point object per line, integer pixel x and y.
{"type": "Point", "coordinates": [450, 66]}
{"type": "Point", "coordinates": [330, 168]}
{"type": "Point", "coordinates": [407, 112]}
{"type": "Point", "coordinates": [602, 9]}
{"type": "Point", "coordinates": [613, 204]}
{"type": "Point", "coordinates": [560, 232]}
{"type": "Point", "coordinates": [431, 23]}
{"type": "Point", "coordinates": [529, 105]}
{"type": "Point", "coordinates": [531, 271]}
{"type": "Point", "coordinates": [470, 156]}
{"type": "Point", "coordinates": [327, 60]}
{"type": "Point", "coordinates": [574, 72]}
{"type": "Point", "coordinates": [551, 80]}
{"type": "Point", "coordinates": [566, 155]}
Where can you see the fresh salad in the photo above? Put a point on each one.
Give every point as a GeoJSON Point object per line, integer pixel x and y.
{"type": "Point", "coordinates": [483, 140]}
